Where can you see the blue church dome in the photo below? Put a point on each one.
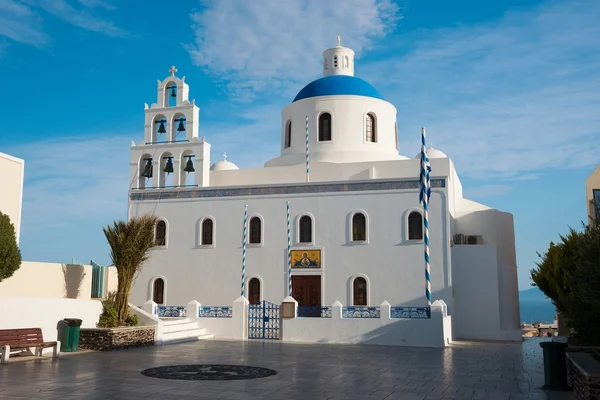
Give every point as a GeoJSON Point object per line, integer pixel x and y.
{"type": "Point", "coordinates": [337, 85]}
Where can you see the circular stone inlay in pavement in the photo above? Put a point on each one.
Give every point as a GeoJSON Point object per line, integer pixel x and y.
{"type": "Point", "coordinates": [208, 372]}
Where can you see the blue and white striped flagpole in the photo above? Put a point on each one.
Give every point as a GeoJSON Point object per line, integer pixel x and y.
{"type": "Point", "coordinates": [244, 248]}
{"type": "Point", "coordinates": [307, 154]}
{"type": "Point", "coordinates": [289, 250]}
{"type": "Point", "coordinates": [424, 195]}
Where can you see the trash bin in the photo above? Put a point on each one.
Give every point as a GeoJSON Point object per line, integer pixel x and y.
{"type": "Point", "coordinates": [70, 337]}
{"type": "Point", "coordinates": [555, 365]}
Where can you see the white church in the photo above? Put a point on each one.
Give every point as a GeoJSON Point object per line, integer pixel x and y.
{"type": "Point", "coordinates": [356, 224]}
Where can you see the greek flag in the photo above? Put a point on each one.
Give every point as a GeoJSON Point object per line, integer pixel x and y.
{"type": "Point", "coordinates": [425, 192]}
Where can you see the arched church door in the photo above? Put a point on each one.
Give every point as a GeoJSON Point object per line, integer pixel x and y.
{"type": "Point", "coordinates": [158, 292]}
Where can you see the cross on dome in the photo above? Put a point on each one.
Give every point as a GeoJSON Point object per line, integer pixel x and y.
{"type": "Point", "coordinates": [172, 70]}
{"type": "Point", "coordinates": [225, 156]}
{"type": "Point", "coordinates": [339, 40]}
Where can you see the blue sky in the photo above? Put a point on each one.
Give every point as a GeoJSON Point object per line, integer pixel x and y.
{"type": "Point", "coordinates": [509, 89]}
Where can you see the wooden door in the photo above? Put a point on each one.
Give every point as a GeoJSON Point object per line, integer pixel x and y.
{"type": "Point", "coordinates": [158, 294]}
{"type": "Point", "coordinates": [307, 290]}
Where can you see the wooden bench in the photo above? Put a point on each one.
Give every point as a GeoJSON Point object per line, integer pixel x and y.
{"type": "Point", "coordinates": [19, 339]}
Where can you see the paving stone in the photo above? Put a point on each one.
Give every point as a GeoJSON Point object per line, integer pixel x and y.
{"type": "Point", "coordinates": [494, 371]}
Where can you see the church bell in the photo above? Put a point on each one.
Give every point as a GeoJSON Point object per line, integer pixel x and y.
{"type": "Point", "coordinates": [147, 173]}
{"type": "Point", "coordinates": [161, 128]}
{"type": "Point", "coordinates": [169, 166]}
{"type": "Point", "coordinates": [189, 166]}
{"type": "Point", "coordinates": [173, 94]}
{"type": "Point", "coordinates": [180, 128]}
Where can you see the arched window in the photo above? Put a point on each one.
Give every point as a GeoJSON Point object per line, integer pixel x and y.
{"type": "Point", "coordinates": [254, 291]}
{"type": "Point", "coordinates": [359, 227]}
{"type": "Point", "coordinates": [288, 134]}
{"type": "Point", "coordinates": [325, 62]}
{"type": "Point", "coordinates": [359, 290]}
{"type": "Point", "coordinates": [158, 291]}
{"type": "Point", "coordinates": [160, 234]}
{"type": "Point", "coordinates": [305, 229]}
{"type": "Point", "coordinates": [415, 226]}
{"type": "Point", "coordinates": [324, 127]}
{"type": "Point", "coordinates": [255, 230]}
{"type": "Point", "coordinates": [207, 232]}
{"type": "Point", "coordinates": [370, 128]}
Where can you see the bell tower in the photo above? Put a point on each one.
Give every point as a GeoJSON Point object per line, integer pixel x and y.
{"type": "Point", "coordinates": [338, 60]}
{"type": "Point", "coordinates": [171, 155]}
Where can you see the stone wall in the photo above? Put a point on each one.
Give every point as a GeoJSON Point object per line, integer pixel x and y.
{"type": "Point", "coordinates": [106, 339]}
{"type": "Point", "coordinates": [583, 375]}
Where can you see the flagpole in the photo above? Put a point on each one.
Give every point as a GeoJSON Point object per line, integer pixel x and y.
{"type": "Point", "coordinates": [307, 153]}
{"type": "Point", "coordinates": [424, 198]}
{"type": "Point", "coordinates": [244, 248]}
{"type": "Point", "coordinates": [289, 250]}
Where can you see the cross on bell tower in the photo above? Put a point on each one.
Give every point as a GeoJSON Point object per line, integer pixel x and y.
{"type": "Point", "coordinates": [172, 70]}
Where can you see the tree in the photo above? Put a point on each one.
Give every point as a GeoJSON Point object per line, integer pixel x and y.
{"type": "Point", "coordinates": [582, 300]}
{"type": "Point", "coordinates": [130, 243]}
{"type": "Point", "coordinates": [549, 276]}
{"type": "Point", "coordinates": [10, 255]}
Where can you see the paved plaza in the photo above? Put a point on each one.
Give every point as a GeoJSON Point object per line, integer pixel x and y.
{"type": "Point", "coordinates": [304, 371]}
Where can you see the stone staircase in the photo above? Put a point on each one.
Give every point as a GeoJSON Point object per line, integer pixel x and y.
{"type": "Point", "coordinates": [177, 330]}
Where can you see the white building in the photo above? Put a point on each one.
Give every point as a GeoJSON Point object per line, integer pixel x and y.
{"type": "Point", "coordinates": [11, 182]}
{"type": "Point", "coordinates": [355, 218]}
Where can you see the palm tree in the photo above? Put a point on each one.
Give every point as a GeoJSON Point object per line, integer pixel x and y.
{"type": "Point", "coordinates": [130, 242]}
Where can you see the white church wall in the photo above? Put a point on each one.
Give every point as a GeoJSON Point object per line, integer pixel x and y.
{"type": "Point", "coordinates": [49, 280]}
{"type": "Point", "coordinates": [11, 181]}
{"type": "Point", "coordinates": [348, 141]}
{"type": "Point", "coordinates": [212, 274]}
{"type": "Point", "coordinates": [433, 332]}
{"type": "Point", "coordinates": [46, 313]}
{"type": "Point", "coordinates": [328, 172]}
{"type": "Point", "coordinates": [496, 228]}
{"type": "Point", "coordinates": [476, 297]}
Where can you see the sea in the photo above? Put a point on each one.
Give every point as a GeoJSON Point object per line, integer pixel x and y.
{"type": "Point", "coordinates": [535, 307]}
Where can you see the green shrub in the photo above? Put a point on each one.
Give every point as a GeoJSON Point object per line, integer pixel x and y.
{"type": "Point", "coordinates": [132, 320]}
{"type": "Point", "coordinates": [109, 317]}
{"type": "Point", "coordinates": [10, 255]}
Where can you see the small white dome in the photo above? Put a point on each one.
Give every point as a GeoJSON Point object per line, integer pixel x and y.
{"type": "Point", "coordinates": [433, 153]}
{"type": "Point", "coordinates": [223, 165]}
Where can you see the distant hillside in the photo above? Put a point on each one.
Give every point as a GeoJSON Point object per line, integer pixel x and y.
{"type": "Point", "coordinates": [533, 294]}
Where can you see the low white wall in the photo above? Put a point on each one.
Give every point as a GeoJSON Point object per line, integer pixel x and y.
{"type": "Point", "coordinates": [46, 313]}
{"type": "Point", "coordinates": [49, 280]}
{"type": "Point", "coordinates": [235, 327]}
{"type": "Point", "coordinates": [433, 332]}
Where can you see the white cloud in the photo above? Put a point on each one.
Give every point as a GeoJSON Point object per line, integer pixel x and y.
{"type": "Point", "coordinates": [21, 22]}
{"type": "Point", "coordinates": [81, 17]}
{"type": "Point", "coordinates": [261, 45]}
{"type": "Point", "coordinates": [506, 100]}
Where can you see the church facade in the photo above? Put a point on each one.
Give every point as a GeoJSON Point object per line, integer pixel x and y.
{"type": "Point", "coordinates": [356, 231]}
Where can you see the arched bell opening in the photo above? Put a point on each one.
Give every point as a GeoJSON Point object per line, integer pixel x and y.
{"type": "Point", "coordinates": [167, 168]}
{"type": "Point", "coordinates": [171, 94]}
{"type": "Point", "coordinates": [159, 129]}
{"type": "Point", "coordinates": [178, 127]}
{"type": "Point", "coordinates": [145, 169]}
{"type": "Point", "coordinates": [187, 165]}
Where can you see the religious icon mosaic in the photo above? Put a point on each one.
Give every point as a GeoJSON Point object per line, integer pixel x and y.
{"type": "Point", "coordinates": [306, 258]}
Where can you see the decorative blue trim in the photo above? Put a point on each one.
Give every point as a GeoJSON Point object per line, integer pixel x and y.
{"type": "Point", "coordinates": [361, 312]}
{"type": "Point", "coordinates": [215, 312]}
{"type": "Point", "coordinates": [314, 312]}
{"type": "Point", "coordinates": [374, 185]}
{"type": "Point", "coordinates": [172, 311]}
{"type": "Point", "coordinates": [410, 312]}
